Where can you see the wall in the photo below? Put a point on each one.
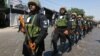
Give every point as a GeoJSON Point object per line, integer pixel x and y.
{"type": "Point", "coordinates": [14, 19]}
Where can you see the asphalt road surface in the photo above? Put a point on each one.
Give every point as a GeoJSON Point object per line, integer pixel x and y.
{"type": "Point", "coordinates": [11, 43]}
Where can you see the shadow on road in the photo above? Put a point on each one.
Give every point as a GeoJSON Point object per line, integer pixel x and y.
{"type": "Point", "coordinates": [48, 53]}
{"type": "Point", "coordinates": [62, 48]}
{"type": "Point", "coordinates": [98, 41]}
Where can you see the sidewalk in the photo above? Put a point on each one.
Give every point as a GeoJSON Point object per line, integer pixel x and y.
{"type": "Point", "coordinates": [6, 29]}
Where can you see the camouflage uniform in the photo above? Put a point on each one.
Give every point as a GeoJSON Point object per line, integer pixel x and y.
{"type": "Point", "coordinates": [79, 27]}
{"type": "Point", "coordinates": [36, 31]}
{"type": "Point", "coordinates": [73, 24]}
{"type": "Point", "coordinates": [61, 25]}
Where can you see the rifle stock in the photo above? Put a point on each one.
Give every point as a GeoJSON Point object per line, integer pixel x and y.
{"type": "Point", "coordinates": [33, 48]}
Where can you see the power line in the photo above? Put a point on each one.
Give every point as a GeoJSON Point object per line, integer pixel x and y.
{"type": "Point", "coordinates": [58, 5]}
{"type": "Point", "coordinates": [50, 3]}
{"type": "Point", "coordinates": [53, 2]}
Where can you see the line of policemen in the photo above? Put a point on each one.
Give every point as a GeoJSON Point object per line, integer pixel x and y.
{"type": "Point", "coordinates": [67, 27]}
{"type": "Point", "coordinates": [71, 27]}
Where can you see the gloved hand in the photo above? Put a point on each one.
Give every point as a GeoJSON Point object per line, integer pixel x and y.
{"type": "Point", "coordinates": [32, 46]}
{"type": "Point", "coordinates": [66, 32]}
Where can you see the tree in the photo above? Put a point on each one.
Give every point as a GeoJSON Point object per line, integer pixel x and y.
{"type": "Point", "coordinates": [90, 17]}
{"type": "Point", "coordinates": [77, 10]}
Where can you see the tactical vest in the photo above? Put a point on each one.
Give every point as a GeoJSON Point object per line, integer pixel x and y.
{"type": "Point", "coordinates": [91, 23]}
{"type": "Point", "coordinates": [61, 22]}
{"type": "Point", "coordinates": [79, 23]}
{"type": "Point", "coordinates": [32, 27]}
{"type": "Point", "coordinates": [85, 23]}
{"type": "Point", "coordinates": [73, 24]}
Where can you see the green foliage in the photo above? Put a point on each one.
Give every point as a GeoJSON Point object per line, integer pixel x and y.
{"type": "Point", "coordinates": [90, 17]}
{"type": "Point", "coordinates": [77, 10]}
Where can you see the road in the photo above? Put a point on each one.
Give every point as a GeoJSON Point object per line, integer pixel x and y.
{"type": "Point", "coordinates": [11, 43]}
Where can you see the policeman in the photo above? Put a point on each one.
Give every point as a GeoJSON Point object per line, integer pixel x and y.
{"type": "Point", "coordinates": [73, 27]}
{"type": "Point", "coordinates": [36, 31]}
{"type": "Point", "coordinates": [84, 26]}
{"type": "Point", "coordinates": [61, 30]}
{"type": "Point", "coordinates": [91, 24]}
{"type": "Point", "coordinates": [79, 27]}
{"type": "Point", "coordinates": [88, 25]}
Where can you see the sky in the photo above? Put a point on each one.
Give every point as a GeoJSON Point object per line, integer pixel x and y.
{"type": "Point", "coordinates": [91, 7]}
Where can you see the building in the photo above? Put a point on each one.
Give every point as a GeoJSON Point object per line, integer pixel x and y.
{"type": "Point", "coordinates": [11, 9]}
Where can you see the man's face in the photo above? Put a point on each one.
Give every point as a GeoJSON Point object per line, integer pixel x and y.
{"type": "Point", "coordinates": [79, 18]}
{"type": "Point", "coordinates": [73, 16]}
{"type": "Point", "coordinates": [62, 11]}
{"type": "Point", "coordinates": [32, 7]}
